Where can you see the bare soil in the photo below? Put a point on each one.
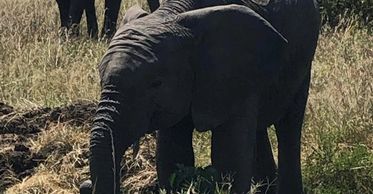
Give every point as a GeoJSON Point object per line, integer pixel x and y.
{"type": "Point", "coordinates": [17, 127]}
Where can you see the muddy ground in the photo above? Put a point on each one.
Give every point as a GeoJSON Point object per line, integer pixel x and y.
{"type": "Point", "coordinates": [17, 127]}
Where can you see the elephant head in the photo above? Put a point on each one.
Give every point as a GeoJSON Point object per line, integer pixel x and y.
{"type": "Point", "coordinates": [157, 70]}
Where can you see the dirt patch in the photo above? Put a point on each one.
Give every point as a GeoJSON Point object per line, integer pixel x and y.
{"type": "Point", "coordinates": [5, 109]}
{"type": "Point", "coordinates": [17, 128]}
{"type": "Point", "coordinates": [16, 164]}
{"type": "Point", "coordinates": [32, 121]}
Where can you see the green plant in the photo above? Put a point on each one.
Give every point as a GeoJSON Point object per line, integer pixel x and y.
{"type": "Point", "coordinates": [335, 168]}
{"type": "Point", "coordinates": [202, 180]}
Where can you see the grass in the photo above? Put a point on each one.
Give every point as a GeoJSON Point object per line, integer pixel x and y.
{"type": "Point", "coordinates": [38, 69]}
{"type": "Point", "coordinates": [67, 151]}
{"type": "Point", "coordinates": [339, 118]}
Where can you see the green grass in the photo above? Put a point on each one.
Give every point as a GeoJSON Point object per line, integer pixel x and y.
{"type": "Point", "coordinates": [38, 69]}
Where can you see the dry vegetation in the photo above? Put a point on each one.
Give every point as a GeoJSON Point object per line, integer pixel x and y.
{"type": "Point", "coordinates": [39, 70]}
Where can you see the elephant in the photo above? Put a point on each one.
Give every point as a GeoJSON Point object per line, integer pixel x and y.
{"type": "Point", "coordinates": [205, 65]}
{"type": "Point", "coordinates": [71, 13]}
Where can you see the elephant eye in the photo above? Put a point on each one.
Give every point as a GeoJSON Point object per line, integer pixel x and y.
{"type": "Point", "coordinates": [156, 84]}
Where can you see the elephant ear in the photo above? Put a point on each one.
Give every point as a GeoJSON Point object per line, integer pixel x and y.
{"type": "Point", "coordinates": [237, 53]}
{"type": "Point", "coordinates": [133, 13]}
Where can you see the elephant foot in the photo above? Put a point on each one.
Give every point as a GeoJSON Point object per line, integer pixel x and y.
{"type": "Point", "coordinates": [86, 187]}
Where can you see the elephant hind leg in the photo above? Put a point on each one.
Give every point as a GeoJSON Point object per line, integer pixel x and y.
{"type": "Point", "coordinates": [233, 151]}
{"type": "Point", "coordinates": [288, 131]}
{"type": "Point", "coordinates": [265, 166]}
{"type": "Point", "coordinates": [289, 167]}
{"type": "Point", "coordinates": [174, 146]}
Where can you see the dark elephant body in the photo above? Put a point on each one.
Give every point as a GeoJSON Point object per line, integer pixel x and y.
{"type": "Point", "coordinates": [298, 21]}
{"type": "Point", "coordinates": [235, 70]}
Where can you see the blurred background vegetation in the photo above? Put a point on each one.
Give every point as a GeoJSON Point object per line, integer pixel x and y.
{"type": "Point", "coordinates": [336, 11]}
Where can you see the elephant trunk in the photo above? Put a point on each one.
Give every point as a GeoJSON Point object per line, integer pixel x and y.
{"type": "Point", "coordinates": [104, 165]}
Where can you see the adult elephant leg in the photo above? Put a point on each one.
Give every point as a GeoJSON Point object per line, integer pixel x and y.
{"type": "Point", "coordinates": [233, 151]}
{"type": "Point", "coordinates": [110, 20]}
{"type": "Point", "coordinates": [90, 12]}
{"type": "Point", "coordinates": [153, 5]}
{"type": "Point", "coordinates": [265, 166]}
{"type": "Point", "coordinates": [75, 15]}
{"type": "Point", "coordinates": [63, 7]}
{"type": "Point", "coordinates": [174, 146]}
{"type": "Point", "coordinates": [288, 132]}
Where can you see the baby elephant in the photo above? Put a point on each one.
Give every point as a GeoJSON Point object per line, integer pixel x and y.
{"type": "Point", "coordinates": [231, 69]}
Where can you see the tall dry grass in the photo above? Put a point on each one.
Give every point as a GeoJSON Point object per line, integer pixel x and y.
{"type": "Point", "coordinates": [34, 61]}
{"type": "Point", "coordinates": [338, 130]}
{"type": "Point", "coordinates": [38, 69]}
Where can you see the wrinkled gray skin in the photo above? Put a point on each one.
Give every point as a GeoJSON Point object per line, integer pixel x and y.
{"type": "Point", "coordinates": [233, 69]}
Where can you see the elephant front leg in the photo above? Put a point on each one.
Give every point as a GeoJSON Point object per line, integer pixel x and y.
{"type": "Point", "coordinates": [174, 146]}
{"type": "Point", "coordinates": [233, 151]}
{"type": "Point", "coordinates": [265, 166]}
